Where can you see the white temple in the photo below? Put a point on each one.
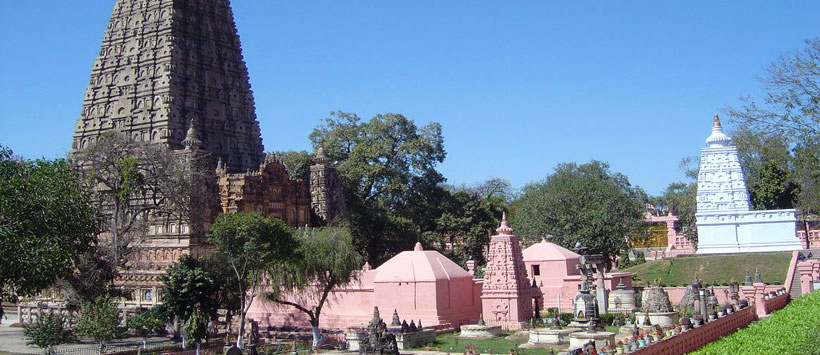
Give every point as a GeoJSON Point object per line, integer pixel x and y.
{"type": "Point", "coordinates": [725, 222]}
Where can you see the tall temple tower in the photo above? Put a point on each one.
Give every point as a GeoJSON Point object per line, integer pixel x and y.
{"type": "Point", "coordinates": [165, 65]}
{"type": "Point", "coordinates": [171, 73]}
{"type": "Point", "coordinates": [726, 224]}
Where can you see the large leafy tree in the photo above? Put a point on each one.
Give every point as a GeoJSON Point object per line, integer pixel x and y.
{"type": "Point", "coordinates": [767, 162]}
{"type": "Point", "coordinates": [188, 288]}
{"type": "Point", "coordinates": [582, 203]}
{"type": "Point", "coordinates": [789, 110]}
{"type": "Point", "coordinates": [251, 243]}
{"type": "Point", "coordinates": [385, 163]}
{"type": "Point", "coordinates": [45, 219]}
{"type": "Point", "coordinates": [327, 261]}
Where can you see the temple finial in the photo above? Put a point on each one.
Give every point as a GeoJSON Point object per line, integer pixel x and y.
{"type": "Point", "coordinates": [505, 227]}
{"type": "Point", "coordinates": [718, 139]}
{"type": "Point", "coordinates": [191, 141]}
{"type": "Point", "coordinates": [418, 247]}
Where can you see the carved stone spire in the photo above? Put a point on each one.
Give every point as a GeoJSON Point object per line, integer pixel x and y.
{"type": "Point", "coordinates": [507, 295]}
{"type": "Point", "coordinates": [163, 63]}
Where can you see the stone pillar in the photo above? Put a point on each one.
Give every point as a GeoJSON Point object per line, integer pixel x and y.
{"type": "Point", "coordinates": [471, 267]}
{"type": "Point", "coordinates": [601, 289]}
{"type": "Point", "coordinates": [506, 297]}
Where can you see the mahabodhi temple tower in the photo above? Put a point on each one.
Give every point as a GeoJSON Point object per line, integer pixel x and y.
{"type": "Point", "coordinates": [164, 64]}
{"type": "Point", "coordinates": [171, 72]}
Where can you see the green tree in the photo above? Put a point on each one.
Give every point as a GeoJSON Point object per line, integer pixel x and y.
{"type": "Point", "coordinates": [297, 163]}
{"type": "Point", "coordinates": [48, 331]}
{"type": "Point", "coordinates": [226, 295]}
{"type": "Point", "coordinates": [250, 243]}
{"type": "Point", "coordinates": [463, 228]}
{"type": "Point", "coordinates": [384, 164]}
{"type": "Point", "coordinates": [147, 322]}
{"type": "Point", "coordinates": [45, 219]}
{"type": "Point", "coordinates": [197, 328]}
{"type": "Point", "coordinates": [100, 320]}
{"type": "Point", "coordinates": [767, 163]}
{"type": "Point", "coordinates": [188, 286]}
{"type": "Point", "coordinates": [327, 261]}
{"type": "Point", "coordinates": [582, 203]}
{"type": "Point", "coordinates": [789, 108]}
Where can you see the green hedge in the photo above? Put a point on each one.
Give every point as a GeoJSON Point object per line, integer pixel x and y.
{"type": "Point", "coordinates": [793, 330]}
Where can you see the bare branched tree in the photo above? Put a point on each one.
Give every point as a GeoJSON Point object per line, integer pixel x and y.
{"type": "Point", "coordinates": [136, 185]}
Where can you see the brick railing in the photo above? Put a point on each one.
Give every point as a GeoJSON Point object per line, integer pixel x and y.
{"type": "Point", "coordinates": [772, 304]}
{"type": "Point", "coordinates": [695, 338]}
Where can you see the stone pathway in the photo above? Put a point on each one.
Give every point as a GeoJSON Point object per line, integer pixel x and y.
{"type": "Point", "coordinates": [12, 340]}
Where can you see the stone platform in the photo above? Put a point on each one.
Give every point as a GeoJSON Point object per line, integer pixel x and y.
{"type": "Point", "coordinates": [662, 319]}
{"type": "Point", "coordinates": [545, 336]}
{"type": "Point", "coordinates": [602, 339]}
{"type": "Point", "coordinates": [475, 331]}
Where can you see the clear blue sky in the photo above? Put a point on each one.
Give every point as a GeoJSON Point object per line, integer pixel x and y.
{"type": "Point", "coordinates": [518, 86]}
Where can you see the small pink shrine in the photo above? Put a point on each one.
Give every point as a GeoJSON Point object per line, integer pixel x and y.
{"type": "Point", "coordinates": [554, 269]}
{"type": "Point", "coordinates": [507, 298]}
{"type": "Point", "coordinates": [676, 244]}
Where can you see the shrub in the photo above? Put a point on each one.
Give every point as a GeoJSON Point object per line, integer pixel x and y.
{"type": "Point", "coordinates": [145, 323]}
{"type": "Point", "coordinates": [100, 320]}
{"type": "Point", "coordinates": [49, 330]}
{"type": "Point", "coordinates": [792, 330]}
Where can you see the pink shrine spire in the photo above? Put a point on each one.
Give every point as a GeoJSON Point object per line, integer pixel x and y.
{"type": "Point", "coordinates": [507, 296]}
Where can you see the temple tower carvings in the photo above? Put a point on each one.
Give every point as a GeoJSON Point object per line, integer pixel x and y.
{"type": "Point", "coordinates": [507, 297]}
{"type": "Point", "coordinates": [164, 64]}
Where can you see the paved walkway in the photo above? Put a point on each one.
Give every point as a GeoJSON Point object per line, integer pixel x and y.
{"type": "Point", "coordinates": [12, 340]}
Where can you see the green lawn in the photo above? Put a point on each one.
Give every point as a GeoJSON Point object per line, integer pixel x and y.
{"type": "Point", "coordinates": [791, 330]}
{"type": "Point", "coordinates": [451, 343]}
{"type": "Point", "coordinates": [714, 268]}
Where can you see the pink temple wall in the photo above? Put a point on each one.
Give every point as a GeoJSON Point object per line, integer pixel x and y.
{"type": "Point", "coordinates": [456, 302]}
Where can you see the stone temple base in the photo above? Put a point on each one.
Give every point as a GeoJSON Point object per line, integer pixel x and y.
{"type": "Point", "coordinates": [415, 339]}
{"type": "Point", "coordinates": [475, 331]}
{"type": "Point", "coordinates": [661, 319]}
{"type": "Point", "coordinates": [602, 339]}
{"type": "Point", "coordinates": [546, 336]}
{"type": "Point", "coordinates": [747, 232]}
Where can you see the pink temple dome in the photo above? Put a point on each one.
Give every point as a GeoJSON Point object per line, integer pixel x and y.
{"type": "Point", "coordinates": [546, 251]}
{"type": "Point", "coordinates": [419, 266]}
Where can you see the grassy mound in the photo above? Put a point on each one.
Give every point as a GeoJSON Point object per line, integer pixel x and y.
{"type": "Point", "coordinates": [794, 329]}
{"type": "Point", "coordinates": [713, 269]}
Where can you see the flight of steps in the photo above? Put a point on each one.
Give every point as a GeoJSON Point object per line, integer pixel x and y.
{"type": "Point", "coordinates": [795, 287]}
